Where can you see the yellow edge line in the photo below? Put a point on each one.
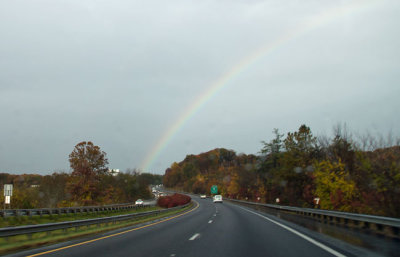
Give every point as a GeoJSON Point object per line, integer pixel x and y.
{"type": "Point", "coordinates": [116, 234]}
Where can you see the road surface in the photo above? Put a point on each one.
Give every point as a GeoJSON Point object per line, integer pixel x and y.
{"type": "Point", "coordinates": [207, 230]}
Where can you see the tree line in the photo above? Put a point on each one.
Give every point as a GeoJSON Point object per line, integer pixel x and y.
{"type": "Point", "coordinates": [296, 169]}
{"type": "Point", "coordinates": [89, 183]}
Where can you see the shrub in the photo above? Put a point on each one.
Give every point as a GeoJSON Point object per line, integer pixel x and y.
{"type": "Point", "coordinates": [173, 200]}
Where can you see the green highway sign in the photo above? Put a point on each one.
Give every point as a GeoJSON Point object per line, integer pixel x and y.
{"type": "Point", "coordinates": [214, 189]}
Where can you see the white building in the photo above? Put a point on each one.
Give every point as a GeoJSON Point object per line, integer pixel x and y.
{"type": "Point", "coordinates": [113, 172]}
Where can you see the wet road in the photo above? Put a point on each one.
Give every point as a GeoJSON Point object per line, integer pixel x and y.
{"type": "Point", "coordinates": [207, 230]}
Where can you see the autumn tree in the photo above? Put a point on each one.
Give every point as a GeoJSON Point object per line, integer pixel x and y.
{"type": "Point", "coordinates": [380, 171]}
{"type": "Point", "coordinates": [88, 164]}
{"type": "Point", "coordinates": [52, 190]}
{"type": "Point", "coordinates": [199, 186]}
{"type": "Point", "coordinates": [297, 169]}
{"type": "Point", "coordinates": [234, 187]}
{"type": "Point", "coordinates": [334, 186]}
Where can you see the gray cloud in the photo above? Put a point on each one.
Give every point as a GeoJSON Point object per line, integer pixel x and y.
{"type": "Point", "coordinates": [120, 73]}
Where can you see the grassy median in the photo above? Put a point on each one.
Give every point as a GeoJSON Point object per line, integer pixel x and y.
{"type": "Point", "coordinates": [21, 242]}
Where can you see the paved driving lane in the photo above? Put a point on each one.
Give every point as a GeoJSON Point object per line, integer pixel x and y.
{"type": "Point", "coordinates": [209, 230]}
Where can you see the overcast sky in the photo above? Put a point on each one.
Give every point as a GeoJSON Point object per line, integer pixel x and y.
{"type": "Point", "coordinates": [120, 73]}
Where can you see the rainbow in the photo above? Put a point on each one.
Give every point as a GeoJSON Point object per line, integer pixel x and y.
{"type": "Point", "coordinates": [236, 70]}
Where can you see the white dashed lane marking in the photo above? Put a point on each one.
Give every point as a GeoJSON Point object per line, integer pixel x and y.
{"type": "Point", "coordinates": [194, 236]}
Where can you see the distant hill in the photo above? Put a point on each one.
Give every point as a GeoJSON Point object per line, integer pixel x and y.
{"type": "Point", "coordinates": [297, 170]}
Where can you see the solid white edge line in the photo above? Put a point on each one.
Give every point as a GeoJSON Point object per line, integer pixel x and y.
{"type": "Point", "coordinates": [194, 236]}
{"type": "Point", "coordinates": [210, 221]}
{"type": "Point", "coordinates": [309, 239]}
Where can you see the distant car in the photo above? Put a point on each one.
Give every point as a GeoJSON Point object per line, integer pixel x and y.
{"type": "Point", "coordinates": [139, 202]}
{"type": "Point", "coordinates": [203, 196]}
{"type": "Point", "coordinates": [217, 199]}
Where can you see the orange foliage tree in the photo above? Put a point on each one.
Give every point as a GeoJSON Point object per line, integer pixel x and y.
{"type": "Point", "coordinates": [88, 164]}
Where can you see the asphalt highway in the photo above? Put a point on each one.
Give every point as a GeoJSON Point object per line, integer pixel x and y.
{"type": "Point", "coordinates": [207, 230]}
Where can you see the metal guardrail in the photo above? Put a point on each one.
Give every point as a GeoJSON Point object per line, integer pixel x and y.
{"type": "Point", "coordinates": [68, 210]}
{"type": "Point", "coordinates": [30, 229]}
{"type": "Point", "coordinates": [387, 225]}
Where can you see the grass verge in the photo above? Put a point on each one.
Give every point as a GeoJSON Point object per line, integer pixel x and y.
{"type": "Point", "coordinates": [22, 242]}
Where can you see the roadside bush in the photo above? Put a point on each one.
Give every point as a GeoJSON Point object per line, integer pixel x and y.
{"type": "Point", "coordinates": [173, 200]}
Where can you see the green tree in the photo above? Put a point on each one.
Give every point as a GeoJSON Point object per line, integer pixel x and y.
{"type": "Point", "coordinates": [295, 172]}
{"type": "Point", "coordinates": [301, 147]}
{"type": "Point", "coordinates": [271, 151]}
